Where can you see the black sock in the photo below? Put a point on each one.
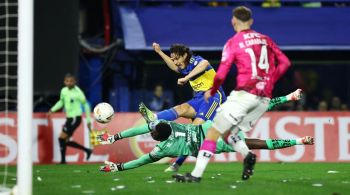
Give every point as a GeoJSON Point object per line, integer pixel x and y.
{"type": "Point", "coordinates": [76, 145]}
{"type": "Point", "coordinates": [63, 146]}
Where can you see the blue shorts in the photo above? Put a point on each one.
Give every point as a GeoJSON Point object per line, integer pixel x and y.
{"type": "Point", "coordinates": [204, 110]}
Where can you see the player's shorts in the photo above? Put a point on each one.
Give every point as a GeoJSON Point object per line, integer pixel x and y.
{"type": "Point", "coordinates": [71, 125]}
{"type": "Point", "coordinates": [204, 110]}
{"type": "Point", "coordinates": [242, 110]}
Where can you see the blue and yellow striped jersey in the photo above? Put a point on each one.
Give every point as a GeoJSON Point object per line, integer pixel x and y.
{"type": "Point", "coordinates": [203, 81]}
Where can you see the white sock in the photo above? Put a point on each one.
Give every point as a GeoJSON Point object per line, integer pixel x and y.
{"type": "Point", "coordinates": [203, 159]}
{"type": "Point", "coordinates": [241, 147]}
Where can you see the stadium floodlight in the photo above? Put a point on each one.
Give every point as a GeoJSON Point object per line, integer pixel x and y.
{"type": "Point", "coordinates": [25, 96]}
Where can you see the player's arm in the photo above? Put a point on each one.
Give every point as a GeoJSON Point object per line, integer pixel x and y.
{"type": "Point", "coordinates": [227, 59]}
{"type": "Point", "coordinates": [131, 132]}
{"type": "Point", "coordinates": [59, 104]}
{"type": "Point", "coordinates": [197, 70]}
{"type": "Point", "coordinates": [165, 57]}
{"type": "Point", "coordinates": [154, 156]}
{"type": "Point", "coordinates": [294, 96]}
{"type": "Point", "coordinates": [282, 61]}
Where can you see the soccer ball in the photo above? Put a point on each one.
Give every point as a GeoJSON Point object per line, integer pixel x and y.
{"type": "Point", "coordinates": [103, 112]}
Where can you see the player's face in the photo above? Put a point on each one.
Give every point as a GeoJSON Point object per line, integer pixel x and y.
{"type": "Point", "coordinates": [179, 61]}
{"type": "Point", "coordinates": [69, 82]}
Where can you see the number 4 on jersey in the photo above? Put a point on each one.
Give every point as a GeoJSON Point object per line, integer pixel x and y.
{"type": "Point", "coordinates": [263, 61]}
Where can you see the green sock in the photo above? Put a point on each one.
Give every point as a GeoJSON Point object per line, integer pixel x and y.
{"type": "Point", "coordinates": [273, 144]}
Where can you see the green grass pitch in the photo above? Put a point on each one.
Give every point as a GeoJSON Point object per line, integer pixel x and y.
{"type": "Point", "coordinates": [220, 178]}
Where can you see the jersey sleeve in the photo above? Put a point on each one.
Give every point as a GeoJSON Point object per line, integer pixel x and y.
{"type": "Point", "coordinates": [59, 104]}
{"type": "Point", "coordinates": [282, 61]}
{"type": "Point", "coordinates": [143, 160]}
{"type": "Point", "coordinates": [277, 101]}
{"type": "Point", "coordinates": [131, 132]}
{"type": "Point", "coordinates": [224, 67]}
{"type": "Point", "coordinates": [157, 153]}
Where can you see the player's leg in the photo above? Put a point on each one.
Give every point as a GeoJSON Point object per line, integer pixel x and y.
{"type": "Point", "coordinates": [204, 111]}
{"type": "Point", "coordinates": [72, 127]}
{"type": "Point", "coordinates": [250, 108]}
{"type": "Point", "coordinates": [273, 144]}
{"type": "Point", "coordinates": [62, 141]}
{"type": "Point", "coordinates": [182, 110]}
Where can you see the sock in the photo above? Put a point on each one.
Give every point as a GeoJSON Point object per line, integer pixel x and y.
{"type": "Point", "coordinates": [76, 145]}
{"type": "Point", "coordinates": [205, 153]}
{"type": "Point", "coordinates": [241, 147]}
{"type": "Point", "coordinates": [280, 143]}
{"type": "Point", "coordinates": [180, 160]}
{"type": "Point", "coordinates": [168, 115]}
{"type": "Point", "coordinates": [238, 144]}
{"type": "Point", "coordinates": [62, 143]}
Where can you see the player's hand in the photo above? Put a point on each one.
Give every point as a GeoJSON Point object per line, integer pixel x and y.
{"type": "Point", "coordinates": [105, 139]}
{"type": "Point", "coordinates": [207, 95]}
{"type": "Point", "coordinates": [182, 81]}
{"type": "Point", "coordinates": [295, 96]}
{"type": "Point", "coordinates": [156, 47]}
{"type": "Point", "coordinates": [109, 167]}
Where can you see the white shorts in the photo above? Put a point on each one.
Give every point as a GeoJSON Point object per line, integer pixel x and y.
{"type": "Point", "coordinates": [242, 110]}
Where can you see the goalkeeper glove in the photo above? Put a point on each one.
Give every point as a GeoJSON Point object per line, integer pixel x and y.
{"type": "Point", "coordinates": [296, 95]}
{"type": "Point", "coordinates": [111, 167]}
{"type": "Point", "coordinates": [106, 138]}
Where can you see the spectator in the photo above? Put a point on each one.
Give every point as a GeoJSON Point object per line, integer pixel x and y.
{"type": "Point", "coordinates": [158, 101]}
{"type": "Point", "coordinates": [335, 103]}
{"type": "Point", "coordinates": [322, 106]}
{"type": "Point", "coordinates": [344, 107]}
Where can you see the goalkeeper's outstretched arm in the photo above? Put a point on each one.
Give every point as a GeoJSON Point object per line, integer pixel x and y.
{"type": "Point", "coordinates": [113, 167]}
{"type": "Point", "coordinates": [131, 132]}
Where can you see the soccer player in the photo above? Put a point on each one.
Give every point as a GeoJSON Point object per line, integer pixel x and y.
{"type": "Point", "coordinates": [71, 98]}
{"type": "Point", "coordinates": [184, 140]}
{"type": "Point", "coordinates": [256, 57]}
{"type": "Point", "coordinates": [200, 74]}
{"type": "Point", "coordinates": [148, 115]}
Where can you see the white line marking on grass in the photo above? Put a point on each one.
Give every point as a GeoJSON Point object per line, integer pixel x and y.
{"type": "Point", "coordinates": [39, 178]}
{"type": "Point", "coordinates": [76, 186]}
{"type": "Point", "coordinates": [233, 186]}
{"type": "Point", "coordinates": [333, 172]}
{"type": "Point", "coordinates": [119, 187]}
{"type": "Point", "coordinates": [76, 171]}
{"type": "Point", "coordinates": [88, 192]}
{"type": "Point", "coordinates": [151, 181]}
{"type": "Point", "coordinates": [170, 181]}
{"type": "Point", "coordinates": [116, 179]}
{"type": "Point", "coordinates": [317, 185]}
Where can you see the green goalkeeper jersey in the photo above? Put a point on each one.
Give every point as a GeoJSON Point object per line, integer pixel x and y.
{"type": "Point", "coordinates": [185, 140]}
{"type": "Point", "coordinates": [71, 100]}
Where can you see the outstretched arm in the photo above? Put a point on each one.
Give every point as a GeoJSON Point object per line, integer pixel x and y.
{"type": "Point", "coordinates": [131, 132]}
{"type": "Point", "coordinates": [165, 57]}
{"type": "Point", "coordinates": [294, 96]}
{"type": "Point", "coordinates": [154, 156]}
{"type": "Point", "coordinates": [114, 167]}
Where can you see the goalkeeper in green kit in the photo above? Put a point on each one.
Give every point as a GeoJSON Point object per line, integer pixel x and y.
{"type": "Point", "coordinates": [71, 98]}
{"type": "Point", "coordinates": [185, 140]}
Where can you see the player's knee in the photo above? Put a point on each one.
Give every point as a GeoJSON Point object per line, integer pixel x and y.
{"type": "Point", "coordinates": [222, 124]}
